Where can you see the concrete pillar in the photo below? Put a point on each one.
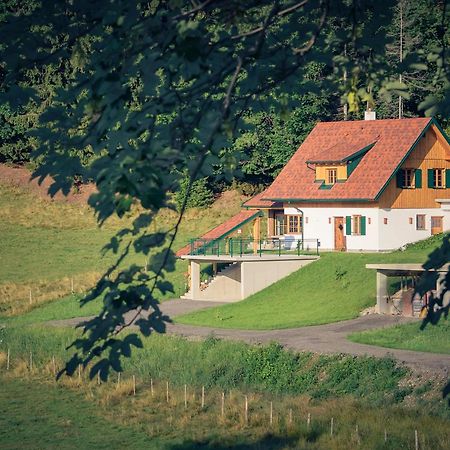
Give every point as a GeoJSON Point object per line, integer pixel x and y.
{"type": "Point", "coordinates": [195, 279]}
{"type": "Point", "coordinates": [382, 293]}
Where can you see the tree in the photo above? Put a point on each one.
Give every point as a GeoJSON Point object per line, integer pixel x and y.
{"type": "Point", "coordinates": [163, 88]}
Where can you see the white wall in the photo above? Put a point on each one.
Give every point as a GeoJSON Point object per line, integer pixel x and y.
{"type": "Point", "coordinates": [398, 231]}
{"type": "Point", "coordinates": [319, 224]}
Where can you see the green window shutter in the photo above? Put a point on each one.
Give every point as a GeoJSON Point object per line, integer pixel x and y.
{"type": "Point", "coordinates": [431, 178]}
{"type": "Point", "coordinates": [447, 178]}
{"type": "Point", "coordinates": [363, 225]}
{"type": "Point", "coordinates": [400, 178]}
{"type": "Point", "coordinates": [418, 178]}
{"type": "Point", "coordinates": [348, 225]}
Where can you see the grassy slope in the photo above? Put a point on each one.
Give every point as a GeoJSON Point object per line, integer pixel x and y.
{"type": "Point", "coordinates": [35, 417]}
{"type": "Point", "coordinates": [337, 287]}
{"type": "Point", "coordinates": [44, 244]}
{"type": "Point", "coordinates": [435, 339]}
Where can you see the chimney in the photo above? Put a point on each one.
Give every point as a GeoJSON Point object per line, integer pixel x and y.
{"type": "Point", "coordinates": [370, 115]}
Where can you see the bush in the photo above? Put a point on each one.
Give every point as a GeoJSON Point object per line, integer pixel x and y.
{"type": "Point", "coordinates": [200, 195]}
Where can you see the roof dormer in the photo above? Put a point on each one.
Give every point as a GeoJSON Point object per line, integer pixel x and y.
{"type": "Point", "coordinates": [336, 163]}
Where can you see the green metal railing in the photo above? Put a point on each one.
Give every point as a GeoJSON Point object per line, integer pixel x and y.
{"type": "Point", "coordinates": [242, 246]}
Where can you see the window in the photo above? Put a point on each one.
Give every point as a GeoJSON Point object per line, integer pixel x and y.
{"type": "Point", "coordinates": [294, 224]}
{"type": "Point", "coordinates": [408, 181]}
{"type": "Point", "coordinates": [438, 178]}
{"type": "Point", "coordinates": [420, 222]}
{"type": "Point", "coordinates": [288, 224]}
{"type": "Point", "coordinates": [331, 176]}
{"type": "Point", "coordinates": [409, 178]}
{"type": "Point", "coordinates": [279, 224]}
{"type": "Point", "coordinates": [355, 225]}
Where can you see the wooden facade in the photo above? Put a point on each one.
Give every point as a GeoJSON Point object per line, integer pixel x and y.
{"type": "Point", "coordinates": [431, 152]}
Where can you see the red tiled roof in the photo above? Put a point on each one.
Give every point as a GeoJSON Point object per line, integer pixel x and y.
{"type": "Point", "coordinates": [224, 228]}
{"type": "Point", "coordinates": [256, 202]}
{"type": "Point", "coordinates": [395, 139]}
{"type": "Point", "coordinates": [344, 149]}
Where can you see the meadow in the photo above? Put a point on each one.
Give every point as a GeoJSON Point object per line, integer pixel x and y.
{"type": "Point", "coordinates": [49, 248]}
{"type": "Point", "coordinates": [281, 388]}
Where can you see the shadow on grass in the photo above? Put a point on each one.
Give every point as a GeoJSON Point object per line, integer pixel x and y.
{"type": "Point", "coordinates": [268, 441]}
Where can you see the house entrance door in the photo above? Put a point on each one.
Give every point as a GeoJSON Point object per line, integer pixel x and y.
{"type": "Point", "coordinates": [339, 236]}
{"type": "Point", "coordinates": [436, 225]}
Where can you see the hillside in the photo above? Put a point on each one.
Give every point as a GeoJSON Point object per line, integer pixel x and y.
{"type": "Point", "coordinates": [334, 288]}
{"type": "Point", "coordinates": [49, 246]}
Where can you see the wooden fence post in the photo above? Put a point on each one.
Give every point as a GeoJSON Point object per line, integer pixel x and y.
{"type": "Point", "coordinates": [54, 365]}
{"type": "Point", "coordinates": [8, 356]}
{"type": "Point", "coordinates": [167, 391]}
{"type": "Point", "coordinates": [331, 426]}
{"type": "Point", "coordinates": [134, 385]}
{"type": "Point", "coordinates": [185, 397]}
{"type": "Point", "coordinates": [203, 397]}
{"type": "Point", "coordinates": [308, 421]}
{"type": "Point", "coordinates": [31, 361]}
{"type": "Point", "coordinates": [246, 410]}
{"type": "Point", "coordinates": [271, 413]}
{"type": "Point", "coordinates": [151, 386]}
{"type": "Point", "coordinates": [416, 439]}
{"type": "Point", "coordinates": [223, 404]}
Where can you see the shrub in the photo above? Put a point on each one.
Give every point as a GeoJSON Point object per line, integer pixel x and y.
{"type": "Point", "coordinates": [200, 195]}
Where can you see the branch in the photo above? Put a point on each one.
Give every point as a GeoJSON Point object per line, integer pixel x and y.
{"type": "Point", "coordinates": [301, 51]}
{"type": "Point", "coordinates": [194, 10]}
{"type": "Point", "coordinates": [281, 13]}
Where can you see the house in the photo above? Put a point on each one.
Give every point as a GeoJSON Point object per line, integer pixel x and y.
{"type": "Point", "coordinates": [371, 185]}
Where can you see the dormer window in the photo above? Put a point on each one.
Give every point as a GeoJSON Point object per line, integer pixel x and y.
{"type": "Point", "coordinates": [331, 176]}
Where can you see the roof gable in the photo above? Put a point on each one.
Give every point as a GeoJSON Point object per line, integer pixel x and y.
{"type": "Point", "coordinates": [387, 143]}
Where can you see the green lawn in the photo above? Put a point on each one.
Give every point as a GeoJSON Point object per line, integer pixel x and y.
{"type": "Point", "coordinates": [36, 416]}
{"type": "Point", "coordinates": [45, 244]}
{"type": "Point", "coordinates": [435, 339]}
{"type": "Point", "coordinates": [334, 288]}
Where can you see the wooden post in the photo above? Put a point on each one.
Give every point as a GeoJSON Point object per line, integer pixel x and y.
{"type": "Point", "coordinates": [167, 391]}
{"type": "Point", "coordinates": [98, 377]}
{"type": "Point", "coordinates": [8, 356]}
{"type": "Point", "coordinates": [223, 404]}
{"type": "Point", "coordinates": [290, 415]}
{"type": "Point", "coordinates": [358, 440]}
{"type": "Point", "coordinates": [31, 298]}
{"type": "Point", "coordinates": [308, 421]}
{"type": "Point", "coordinates": [246, 410]}
{"type": "Point", "coordinates": [271, 413]}
{"type": "Point", "coordinates": [118, 379]}
{"type": "Point", "coordinates": [256, 234]}
{"type": "Point", "coordinates": [134, 385]}
{"type": "Point", "coordinates": [31, 361]}
{"type": "Point", "coordinates": [185, 397]}
{"type": "Point", "coordinates": [331, 426]}
{"type": "Point", "coordinates": [54, 365]}
{"type": "Point", "coordinates": [203, 397]}
{"type": "Point", "coordinates": [151, 386]}
{"type": "Point", "coordinates": [71, 286]}
{"type": "Point", "coordinates": [416, 440]}
{"type": "Point", "coordinates": [79, 373]}
{"type": "Point", "coordinates": [385, 435]}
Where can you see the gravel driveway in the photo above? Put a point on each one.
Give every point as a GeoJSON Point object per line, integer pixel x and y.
{"type": "Point", "coordinates": [327, 339]}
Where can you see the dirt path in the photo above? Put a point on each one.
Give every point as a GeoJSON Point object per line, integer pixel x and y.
{"type": "Point", "coordinates": [326, 339]}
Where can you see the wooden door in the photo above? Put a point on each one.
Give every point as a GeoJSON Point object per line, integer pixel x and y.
{"type": "Point", "coordinates": [436, 224]}
{"type": "Point", "coordinates": [339, 236]}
